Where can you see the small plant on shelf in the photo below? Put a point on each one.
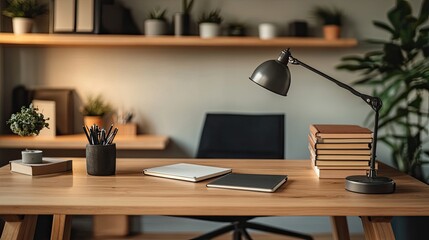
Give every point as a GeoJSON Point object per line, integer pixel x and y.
{"type": "Point", "coordinates": [24, 9]}
{"type": "Point", "coordinates": [212, 17]}
{"type": "Point", "coordinates": [94, 110]}
{"type": "Point", "coordinates": [27, 122]}
{"type": "Point", "coordinates": [157, 13]}
{"type": "Point", "coordinates": [95, 106]}
{"type": "Point", "coordinates": [329, 16]}
{"type": "Point", "coordinates": [22, 13]}
{"type": "Point", "coordinates": [332, 21]}
{"type": "Point", "coordinates": [210, 24]}
{"type": "Point", "coordinates": [156, 24]}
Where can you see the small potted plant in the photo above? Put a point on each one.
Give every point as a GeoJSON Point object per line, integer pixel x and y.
{"type": "Point", "coordinates": [22, 13]}
{"type": "Point", "coordinates": [331, 19]}
{"type": "Point", "coordinates": [28, 122]}
{"type": "Point", "coordinates": [94, 110]}
{"type": "Point", "coordinates": [156, 24]}
{"type": "Point", "coordinates": [210, 24]}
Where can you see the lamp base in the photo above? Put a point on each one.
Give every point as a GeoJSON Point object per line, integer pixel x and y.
{"type": "Point", "coordinates": [369, 185]}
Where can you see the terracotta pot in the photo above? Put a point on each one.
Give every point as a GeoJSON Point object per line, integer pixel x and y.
{"type": "Point", "coordinates": [331, 32]}
{"type": "Point", "coordinates": [91, 120]}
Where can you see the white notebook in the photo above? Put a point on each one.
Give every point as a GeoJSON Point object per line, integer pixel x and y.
{"type": "Point", "coordinates": [186, 171]}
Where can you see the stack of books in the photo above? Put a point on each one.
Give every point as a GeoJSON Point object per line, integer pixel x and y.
{"type": "Point", "coordinates": [338, 151]}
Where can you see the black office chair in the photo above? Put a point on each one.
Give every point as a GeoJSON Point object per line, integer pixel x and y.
{"type": "Point", "coordinates": [246, 137]}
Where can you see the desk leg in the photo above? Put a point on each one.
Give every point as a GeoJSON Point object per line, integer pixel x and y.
{"type": "Point", "coordinates": [19, 227]}
{"type": "Point", "coordinates": [377, 228]}
{"type": "Point", "coordinates": [340, 229]}
{"type": "Point", "coordinates": [61, 227]}
{"type": "Point", "coordinates": [110, 225]}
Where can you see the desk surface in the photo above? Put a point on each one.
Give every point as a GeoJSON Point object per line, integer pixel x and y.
{"type": "Point", "coordinates": [132, 193]}
{"type": "Point", "coordinates": [78, 141]}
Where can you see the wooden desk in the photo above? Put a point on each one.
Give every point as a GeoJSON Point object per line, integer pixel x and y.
{"type": "Point", "coordinates": [131, 193]}
{"type": "Point", "coordinates": [74, 146]}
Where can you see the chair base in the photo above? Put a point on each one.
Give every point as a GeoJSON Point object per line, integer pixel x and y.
{"type": "Point", "coordinates": [239, 231]}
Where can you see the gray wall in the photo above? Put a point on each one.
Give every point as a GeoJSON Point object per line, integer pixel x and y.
{"type": "Point", "coordinates": [170, 89]}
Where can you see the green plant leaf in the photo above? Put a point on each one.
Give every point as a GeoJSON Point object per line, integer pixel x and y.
{"type": "Point", "coordinates": [399, 12]}
{"type": "Point", "coordinates": [393, 54]}
{"type": "Point", "coordinates": [377, 41]}
{"type": "Point", "coordinates": [384, 26]}
{"type": "Point", "coordinates": [408, 32]}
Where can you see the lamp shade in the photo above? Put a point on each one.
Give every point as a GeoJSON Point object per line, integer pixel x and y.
{"type": "Point", "coordinates": [273, 75]}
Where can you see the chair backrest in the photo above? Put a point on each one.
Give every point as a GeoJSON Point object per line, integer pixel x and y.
{"type": "Point", "coordinates": [242, 136]}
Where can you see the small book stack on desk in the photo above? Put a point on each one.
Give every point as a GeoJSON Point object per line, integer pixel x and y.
{"type": "Point", "coordinates": [338, 151]}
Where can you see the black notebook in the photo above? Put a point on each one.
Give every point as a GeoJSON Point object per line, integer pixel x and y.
{"type": "Point", "coordinates": [249, 182]}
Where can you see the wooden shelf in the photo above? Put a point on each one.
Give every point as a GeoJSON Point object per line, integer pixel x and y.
{"type": "Point", "coordinates": [167, 41]}
{"type": "Point", "coordinates": [79, 141]}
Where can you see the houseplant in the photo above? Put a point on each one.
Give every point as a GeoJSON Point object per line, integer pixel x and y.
{"type": "Point", "coordinates": [332, 19]}
{"type": "Point", "coordinates": [94, 110]}
{"type": "Point", "coordinates": [28, 122]}
{"type": "Point", "coordinates": [182, 20]}
{"type": "Point", "coordinates": [22, 13]}
{"type": "Point", "coordinates": [209, 24]}
{"type": "Point", "coordinates": [156, 24]}
{"type": "Point", "coordinates": [398, 71]}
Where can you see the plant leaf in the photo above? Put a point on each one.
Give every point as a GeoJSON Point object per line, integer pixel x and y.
{"type": "Point", "coordinates": [384, 26]}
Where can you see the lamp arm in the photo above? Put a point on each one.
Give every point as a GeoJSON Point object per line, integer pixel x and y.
{"type": "Point", "coordinates": [374, 102]}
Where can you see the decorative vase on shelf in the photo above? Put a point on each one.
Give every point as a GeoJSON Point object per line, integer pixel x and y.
{"type": "Point", "coordinates": [182, 20]}
{"type": "Point", "coordinates": [23, 13]}
{"type": "Point", "coordinates": [182, 24]}
{"type": "Point", "coordinates": [156, 24]}
{"type": "Point", "coordinates": [210, 24]}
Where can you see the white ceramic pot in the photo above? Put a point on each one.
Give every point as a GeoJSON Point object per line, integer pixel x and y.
{"type": "Point", "coordinates": [267, 31]}
{"type": "Point", "coordinates": [32, 156]}
{"type": "Point", "coordinates": [22, 25]}
{"type": "Point", "coordinates": [155, 27]}
{"type": "Point", "coordinates": [209, 30]}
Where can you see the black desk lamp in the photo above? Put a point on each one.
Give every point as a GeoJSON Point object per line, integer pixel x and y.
{"type": "Point", "coordinates": [274, 75]}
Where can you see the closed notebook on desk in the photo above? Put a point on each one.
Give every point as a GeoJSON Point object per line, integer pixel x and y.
{"type": "Point", "coordinates": [249, 182]}
{"type": "Point", "coordinates": [186, 171]}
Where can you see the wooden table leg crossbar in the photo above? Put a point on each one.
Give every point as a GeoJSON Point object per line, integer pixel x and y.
{"type": "Point", "coordinates": [18, 227]}
{"type": "Point", "coordinates": [377, 228]}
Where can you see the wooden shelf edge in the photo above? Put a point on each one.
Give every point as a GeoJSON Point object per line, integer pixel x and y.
{"type": "Point", "coordinates": [167, 41]}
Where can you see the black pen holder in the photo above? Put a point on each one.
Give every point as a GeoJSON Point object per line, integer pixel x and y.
{"type": "Point", "coordinates": [101, 159]}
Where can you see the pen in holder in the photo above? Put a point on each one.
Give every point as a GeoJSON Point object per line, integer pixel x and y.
{"type": "Point", "coordinates": [101, 151]}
